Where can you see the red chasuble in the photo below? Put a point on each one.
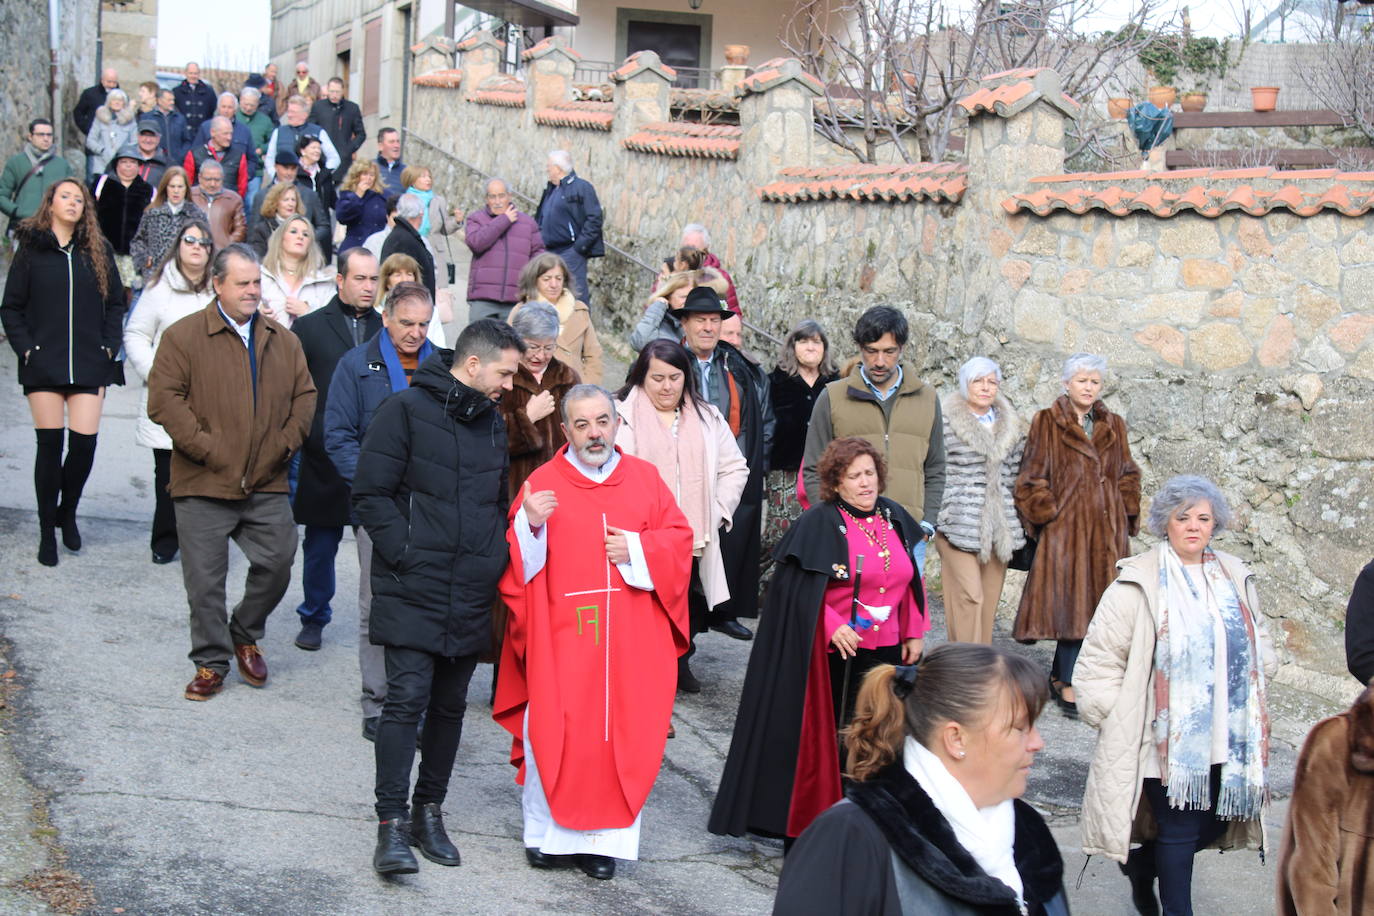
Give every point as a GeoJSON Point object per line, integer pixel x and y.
{"type": "Point", "coordinates": [594, 660]}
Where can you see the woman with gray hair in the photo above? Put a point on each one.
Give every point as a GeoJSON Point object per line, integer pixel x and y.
{"type": "Point", "coordinates": [1078, 494]}
{"type": "Point", "coordinates": [1173, 675]}
{"type": "Point", "coordinates": [531, 407]}
{"type": "Point", "coordinates": [977, 527]}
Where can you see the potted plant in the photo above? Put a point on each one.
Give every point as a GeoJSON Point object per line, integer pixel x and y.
{"type": "Point", "coordinates": [1193, 100]}
{"type": "Point", "coordinates": [1117, 107]}
{"type": "Point", "coordinates": [1264, 98]}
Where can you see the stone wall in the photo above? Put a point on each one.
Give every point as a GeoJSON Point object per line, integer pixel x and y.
{"type": "Point", "coordinates": [1242, 346]}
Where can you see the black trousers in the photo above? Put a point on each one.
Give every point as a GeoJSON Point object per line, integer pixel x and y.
{"type": "Point", "coordinates": [419, 682]}
{"type": "Point", "coordinates": [698, 611]}
{"type": "Point", "coordinates": [865, 660]}
{"type": "Point", "coordinates": [1182, 834]}
{"type": "Point", "coordinates": [164, 538]}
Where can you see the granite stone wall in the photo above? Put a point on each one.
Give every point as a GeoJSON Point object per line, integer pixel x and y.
{"type": "Point", "coordinates": [1241, 346]}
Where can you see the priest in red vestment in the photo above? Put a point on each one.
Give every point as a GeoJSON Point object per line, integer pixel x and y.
{"type": "Point", "coordinates": [601, 561]}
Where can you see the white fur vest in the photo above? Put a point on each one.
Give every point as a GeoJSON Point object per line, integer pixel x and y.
{"type": "Point", "coordinates": [978, 456]}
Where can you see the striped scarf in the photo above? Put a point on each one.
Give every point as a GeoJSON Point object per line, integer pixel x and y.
{"type": "Point", "coordinates": [1185, 680]}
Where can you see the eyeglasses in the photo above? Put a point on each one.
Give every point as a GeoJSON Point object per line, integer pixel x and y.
{"type": "Point", "coordinates": [196, 240]}
{"type": "Point", "coordinates": [538, 350]}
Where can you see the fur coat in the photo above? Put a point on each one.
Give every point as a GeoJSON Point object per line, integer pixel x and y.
{"type": "Point", "coordinates": [1327, 850]}
{"type": "Point", "coordinates": [1081, 500]}
{"type": "Point", "coordinates": [974, 517]}
{"type": "Point", "coordinates": [532, 444]}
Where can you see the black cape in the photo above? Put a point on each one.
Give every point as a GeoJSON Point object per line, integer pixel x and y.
{"type": "Point", "coordinates": [888, 833]}
{"type": "Point", "coordinates": [755, 792]}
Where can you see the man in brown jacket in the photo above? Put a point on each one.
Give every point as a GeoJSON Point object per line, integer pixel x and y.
{"type": "Point", "coordinates": [222, 207]}
{"type": "Point", "coordinates": [232, 389]}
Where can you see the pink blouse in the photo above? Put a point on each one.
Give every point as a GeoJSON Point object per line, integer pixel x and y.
{"type": "Point", "coordinates": [877, 588]}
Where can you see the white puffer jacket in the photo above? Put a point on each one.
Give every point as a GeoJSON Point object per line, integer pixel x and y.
{"type": "Point", "coordinates": [160, 307]}
{"type": "Point", "coordinates": [978, 512]}
{"type": "Point", "coordinates": [316, 289]}
{"type": "Point", "coordinates": [1114, 685]}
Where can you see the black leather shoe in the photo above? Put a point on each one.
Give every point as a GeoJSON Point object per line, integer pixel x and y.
{"type": "Point", "coordinates": [601, 868]}
{"type": "Point", "coordinates": [162, 559]}
{"type": "Point", "coordinates": [428, 835]}
{"type": "Point", "coordinates": [370, 727]}
{"type": "Point", "coordinates": [393, 855]}
{"type": "Point", "coordinates": [687, 681]}
{"type": "Point", "coordinates": [539, 859]}
{"type": "Point", "coordinates": [734, 629]}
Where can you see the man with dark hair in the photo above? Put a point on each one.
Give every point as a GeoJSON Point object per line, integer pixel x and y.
{"type": "Point", "coordinates": [389, 160]}
{"type": "Point", "coordinates": [739, 390]}
{"type": "Point", "coordinates": [30, 172]}
{"type": "Point", "coordinates": [569, 217]}
{"type": "Point", "coordinates": [195, 99]}
{"type": "Point", "coordinates": [342, 121]}
{"type": "Point", "coordinates": [366, 376]}
{"type": "Point", "coordinates": [883, 401]}
{"type": "Point", "coordinates": [171, 124]}
{"type": "Point", "coordinates": [321, 503]}
{"type": "Point", "coordinates": [231, 388]}
{"type": "Point", "coordinates": [430, 491]}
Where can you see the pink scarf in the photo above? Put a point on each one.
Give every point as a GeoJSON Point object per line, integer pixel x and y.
{"type": "Point", "coordinates": [681, 461]}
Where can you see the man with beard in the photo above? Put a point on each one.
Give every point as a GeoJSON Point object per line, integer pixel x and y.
{"type": "Point", "coordinates": [601, 561]}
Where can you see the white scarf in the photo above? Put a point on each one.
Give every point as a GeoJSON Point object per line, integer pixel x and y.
{"type": "Point", "coordinates": [988, 834]}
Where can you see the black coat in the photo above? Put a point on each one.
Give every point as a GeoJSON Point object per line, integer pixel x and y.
{"type": "Point", "coordinates": [569, 215]}
{"type": "Point", "coordinates": [405, 239]}
{"type": "Point", "coordinates": [326, 335]}
{"type": "Point", "coordinates": [92, 98]}
{"type": "Point", "coordinates": [66, 328]}
{"type": "Point", "coordinates": [311, 206]}
{"type": "Point", "coordinates": [344, 124]}
{"type": "Point", "coordinates": [175, 141]}
{"type": "Point", "coordinates": [755, 792]}
{"type": "Point", "coordinates": [1359, 626]}
{"type": "Point", "coordinates": [322, 186]}
{"type": "Point", "coordinates": [119, 209]}
{"type": "Point", "coordinates": [196, 103]}
{"type": "Point", "coordinates": [886, 850]}
{"type": "Point", "coordinates": [430, 488]}
{"type": "Point", "coordinates": [792, 400]}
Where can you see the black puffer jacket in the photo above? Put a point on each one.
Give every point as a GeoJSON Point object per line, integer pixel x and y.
{"type": "Point", "coordinates": [430, 489]}
{"type": "Point", "coordinates": [120, 209]}
{"type": "Point", "coordinates": [53, 311]}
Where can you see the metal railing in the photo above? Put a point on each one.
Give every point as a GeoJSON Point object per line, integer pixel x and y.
{"type": "Point", "coordinates": [599, 71]}
{"type": "Point", "coordinates": [530, 202]}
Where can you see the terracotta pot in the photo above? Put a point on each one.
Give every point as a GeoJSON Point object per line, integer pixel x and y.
{"type": "Point", "coordinates": [736, 55]}
{"type": "Point", "coordinates": [1162, 96]}
{"type": "Point", "coordinates": [1117, 108]}
{"type": "Point", "coordinates": [1265, 98]}
{"type": "Point", "coordinates": [1193, 101]}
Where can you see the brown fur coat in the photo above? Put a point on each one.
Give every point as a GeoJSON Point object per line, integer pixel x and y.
{"type": "Point", "coordinates": [1081, 500]}
{"type": "Point", "coordinates": [532, 444]}
{"type": "Point", "coordinates": [1326, 859]}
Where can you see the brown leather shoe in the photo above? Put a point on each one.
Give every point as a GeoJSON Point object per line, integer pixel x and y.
{"type": "Point", "coordinates": [252, 666]}
{"type": "Point", "coordinates": [205, 685]}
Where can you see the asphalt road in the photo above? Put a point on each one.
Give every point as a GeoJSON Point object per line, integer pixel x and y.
{"type": "Point", "coordinates": [260, 801]}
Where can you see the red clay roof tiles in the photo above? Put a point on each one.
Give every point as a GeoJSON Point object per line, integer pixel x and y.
{"type": "Point", "coordinates": [440, 79]}
{"type": "Point", "coordinates": [940, 181]}
{"type": "Point", "coordinates": [1208, 192]}
{"type": "Point", "coordinates": [587, 115]}
{"type": "Point", "coordinates": [687, 138]}
{"type": "Point", "coordinates": [1013, 91]}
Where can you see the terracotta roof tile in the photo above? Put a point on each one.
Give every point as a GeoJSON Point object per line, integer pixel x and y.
{"type": "Point", "coordinates": [440, 79]}
{"type": "Point", "coordinates": [1012, 91]}
{"type": "Point", "coordinates": [468, 44]}
{"type": "Point", "coordinates": [710, 99]}
{"type": "Point", "coordinates": [635, 63]}
{"type": "Point", "coordinates": [588, 115]}
{"type": "Point", "coordinates": [938, 181]}
{"type": "Point", "coordinates": [687, 138]}
{"type": "Point", "coordinates": [776, 72]}
{"type": "Point", "coordinates": [1208, 192]}
{"type": "Point", "coordinates": [547, 45]}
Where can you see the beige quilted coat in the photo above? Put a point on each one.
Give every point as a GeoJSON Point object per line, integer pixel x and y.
{"type": "Point", "coordinates": [1114, 683]}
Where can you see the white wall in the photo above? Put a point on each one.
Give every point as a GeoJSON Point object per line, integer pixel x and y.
{"type": "Point", "coordinates": [755, 24]}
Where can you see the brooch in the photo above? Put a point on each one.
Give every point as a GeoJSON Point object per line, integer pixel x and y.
{"type": "Point", "coordinates": [841, 572]}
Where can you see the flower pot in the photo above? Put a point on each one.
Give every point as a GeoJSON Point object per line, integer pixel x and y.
{"type": "Point", "coordinates": [1162, 96]}
{"type": "Point", "coordinates": [1117, 108]}
{"type": "Point", "coordinates": [1264, 98]}
{"type": "Point", "coordinates": [736, 55]}
{"type": "Point", "coordinates": [1193, 101]}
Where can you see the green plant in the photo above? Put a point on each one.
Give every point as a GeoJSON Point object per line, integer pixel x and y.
{"type": "Point", "coordinates": [1166, 55]}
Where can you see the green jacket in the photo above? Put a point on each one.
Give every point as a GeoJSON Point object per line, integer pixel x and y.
{"type": "Point", "coordinates": [25, 203]}
{"type": "Point", "coordinates": [261, 127]}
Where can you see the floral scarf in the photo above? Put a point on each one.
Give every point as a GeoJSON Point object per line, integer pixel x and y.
{"type": "Point", "coordinates": [1184, 683]}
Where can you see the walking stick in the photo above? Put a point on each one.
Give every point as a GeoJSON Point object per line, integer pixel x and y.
{"type": "Point", "coordinates": [853, 625]}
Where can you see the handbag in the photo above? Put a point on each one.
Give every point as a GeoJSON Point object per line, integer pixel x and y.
{"type": "Point", "coordinates": [1024, 556]}
{"type": "Point", "coordinates": [452, 268]}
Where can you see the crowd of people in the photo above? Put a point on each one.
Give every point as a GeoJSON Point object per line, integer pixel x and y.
{"type": "Point", "coordinates": [284, 299]}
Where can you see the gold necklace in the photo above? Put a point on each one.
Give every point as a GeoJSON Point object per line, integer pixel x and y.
{"type": "Point", "coordinates": [884, 551]}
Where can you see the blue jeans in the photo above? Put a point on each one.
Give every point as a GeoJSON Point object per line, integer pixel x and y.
{"type": "Point", "coordinates": [577, 266]}
{"type": "Point", "coordinates": [1182, 834]}
{"type": "Point", "coordinates": [253, 184]}
{"type": "Point", "coordinates": [317, 573]}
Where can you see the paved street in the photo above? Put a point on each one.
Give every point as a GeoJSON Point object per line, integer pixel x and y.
{"type": "Point", "coordinates": [260, 801]}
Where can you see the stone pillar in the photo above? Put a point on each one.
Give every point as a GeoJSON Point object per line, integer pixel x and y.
{"type": "Point", "coordinates": [731, 75]}
{"type": "Point", "coordinates": [551, 67]}
{"type": "Point", "coordinates": [1015, 131]}
{"type": "Point", "coordinates": [432, 53]}
{"type": "Point", "coordinates": [643, 86]}
{"type": "Point", "coordinates": [479, 57]}
{"type": "Point", "coordinates": [776, 117]}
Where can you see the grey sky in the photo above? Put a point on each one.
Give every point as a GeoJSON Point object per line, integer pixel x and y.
{"type": "Point", "coordinates": [233, 35]}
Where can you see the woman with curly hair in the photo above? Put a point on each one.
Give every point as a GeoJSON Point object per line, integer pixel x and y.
{"type": "Point", "coordinates": [63, 312]}
{"type": "Point", "coordinates": [845, 598]}
{"type": "Point", "coordinates": [361, 209]}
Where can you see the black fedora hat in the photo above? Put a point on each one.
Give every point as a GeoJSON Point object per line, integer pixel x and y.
{"type": "Point", "coordinates": [702, 300]}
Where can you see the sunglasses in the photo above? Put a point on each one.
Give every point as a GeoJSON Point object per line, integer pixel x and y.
{"type": "Point", "coordinates": [196, 240]}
